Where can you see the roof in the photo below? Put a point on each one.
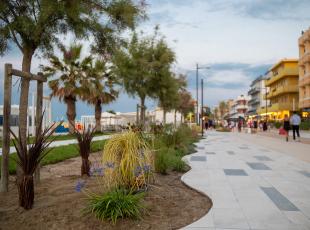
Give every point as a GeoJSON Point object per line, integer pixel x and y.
{"type": "Point", "coordinates": [285, 60]}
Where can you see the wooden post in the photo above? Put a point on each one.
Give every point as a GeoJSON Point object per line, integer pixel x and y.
{"type": "Point", "coordinates": [39, 115]}
{"type": "Point", "coordinates": [6, 128]}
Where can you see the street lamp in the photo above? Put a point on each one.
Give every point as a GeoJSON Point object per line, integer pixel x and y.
{"type": "Point", "coordinates": [197, 110]}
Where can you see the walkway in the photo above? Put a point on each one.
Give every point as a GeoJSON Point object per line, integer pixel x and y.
{"type": "Point", "coordinates": [62, 143]}
{"type": "Point", "coordinates": [254, 183]}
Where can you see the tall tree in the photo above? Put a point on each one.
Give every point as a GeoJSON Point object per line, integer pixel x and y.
{"type": "Point", "coordinates": [99, 88]}
{"type": "Point", "coordinates": [34, 25]}
{"type": "Point", "coordinates": [133, 67]}
{"type": "Point", "coordinates": [143, 66]}
{"type": "Point", "coordinates": [186, 103]}
{"type": "Point", "coordinates": [68, 87]}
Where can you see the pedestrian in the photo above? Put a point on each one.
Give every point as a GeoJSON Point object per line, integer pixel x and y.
{"type": "Point", "coordinates": [265, 126]}
{"type": "Point", "coordinates": [255, 126]}
{"type": "Point", "coordinates": [286, 126]}
{"type": "Point", "coordinates": [206, 125]}
{"type": "Point", "coordinates": [295, 122]}
{"type": "Point", "coordinates": [239, 125]}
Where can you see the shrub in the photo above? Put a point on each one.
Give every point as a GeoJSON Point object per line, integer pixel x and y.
{"type": "Point", "coordinates": [161, 160]}
{"type": "Point", "coordinates": [128, 161]}
{"type": "Point", "coordinates": [84, 145]}
{"type": "Point", "coordinates": [305, 125]}
{"type": "Point", "coordinates": [178, 164]}
{"type": "Point", "coordinates": [118, 203]}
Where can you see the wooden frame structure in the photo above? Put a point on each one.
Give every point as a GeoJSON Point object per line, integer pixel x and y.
{"type": "Point", "coordinates": [9, 72]}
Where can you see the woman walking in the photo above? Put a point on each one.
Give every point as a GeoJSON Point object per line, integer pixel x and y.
{"type": "Point", "coordinates": [286, 126]}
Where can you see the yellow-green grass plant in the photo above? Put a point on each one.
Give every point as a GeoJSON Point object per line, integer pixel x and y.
{"type": "Point", "coordinates": [128, 161]}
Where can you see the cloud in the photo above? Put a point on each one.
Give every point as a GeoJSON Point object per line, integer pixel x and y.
{"type": "Point", "coordinates": [295, 10]}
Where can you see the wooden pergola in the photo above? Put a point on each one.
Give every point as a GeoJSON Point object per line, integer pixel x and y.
{"type": "Point", "coordinates": [9, 72]}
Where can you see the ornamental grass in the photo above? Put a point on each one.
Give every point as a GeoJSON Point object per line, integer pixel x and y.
{"type": "Point", "coordinates": [128, 161]}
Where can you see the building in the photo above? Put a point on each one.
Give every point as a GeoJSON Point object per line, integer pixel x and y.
{"type": "Point", "coordinates": [239, 108]}
{"type": "Point", "coordinates": [282, 80]}
{"type": "Point", "coordinates": [157, 116]}
{"type": "Point", "coordinates": [304, 73]}
{"type": "Point", "coordinates": [257, 103]}
{"type": "Point", "coordinates": [47, 118]}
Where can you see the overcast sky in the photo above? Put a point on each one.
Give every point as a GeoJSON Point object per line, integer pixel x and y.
{"type": "Point", "coordinates": [238, 39]}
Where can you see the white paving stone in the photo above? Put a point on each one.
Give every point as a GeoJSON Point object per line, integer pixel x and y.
{"type": "Point", "coordinates": [238, 201]}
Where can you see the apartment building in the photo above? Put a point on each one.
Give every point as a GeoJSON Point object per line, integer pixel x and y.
{"type": "Point", "coordinates": [304, 72]}
{"type": "Point", "coordinates": [282, 79]}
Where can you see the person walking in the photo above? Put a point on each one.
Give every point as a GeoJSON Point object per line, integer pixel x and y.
{"type": "Point", "coordinates": [295, 122]}
{"type": "Point", "coordinates": [286, 126]}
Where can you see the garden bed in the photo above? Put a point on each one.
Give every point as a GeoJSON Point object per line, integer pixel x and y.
{"type": "Point", "coordinates": [170, 204]}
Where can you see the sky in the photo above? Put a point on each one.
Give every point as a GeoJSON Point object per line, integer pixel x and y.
{"type": "Point", "coordinates": [237, 39]}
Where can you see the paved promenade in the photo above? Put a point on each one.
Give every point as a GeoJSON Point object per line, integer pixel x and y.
{"type": "Point", "coordinates": [255, 182]}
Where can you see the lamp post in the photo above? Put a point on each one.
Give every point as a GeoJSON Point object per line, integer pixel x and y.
{"type": "Point", "coordinates": [197, 109]}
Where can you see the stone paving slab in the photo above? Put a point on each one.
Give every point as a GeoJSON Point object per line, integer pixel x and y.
{"type": "Point", "coordinates": [273, 195]}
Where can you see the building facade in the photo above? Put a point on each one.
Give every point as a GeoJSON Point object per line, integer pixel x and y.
{"type": "Point", "coordinates": [256, 94]}
{"type": "Point", "coordinates": [304, 72]}
{"type": "Point", "coordinates": [239, 108]}
{"type": "Point", "coordinates": [283, 89]}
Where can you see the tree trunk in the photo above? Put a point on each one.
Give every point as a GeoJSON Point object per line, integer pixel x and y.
{"type": "Point", "coordinates": [98, 110]}
{"type": "Point", "coordinates": [175, 118]}
{"type": "Point", "coordinates": [71, 112]}
{"type": "Point", "coordinates": [24, 93]}
{"type": "Point", "coordinates": [142, 114]}
{"type": "Point", "coordinates": [26, 191]}
{"type": "Point", "coordinates": [23, 105]}
{"type": "Point", "coordinates": [164, 116]}
{"type": "Point", "coordinates": [85, 167]}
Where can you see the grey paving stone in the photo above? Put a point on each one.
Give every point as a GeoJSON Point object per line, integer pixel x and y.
{"type": "Point", "coordinates": [235, 172]}
{"type": "Point", "coordinates": [243, 147]}
{"type": "Point", "coordinates": [264, 150]}
{"type": "Point", "coordinates": [210, 153]}
{"type": "Point", "coordinates": [279, 200]}
{"type": "Point", "coordinates": [305, 173]}
{"type": "Point", "coordinates": [198, 158]}
{"type": "Point", "coordinates": [200, 147]}
{"type": "Point", "coordinates": [231, 152]}
{"type": "Point", "coordinates": [258, 166]}
{"type": "Point", "coordinates": [262, 158]}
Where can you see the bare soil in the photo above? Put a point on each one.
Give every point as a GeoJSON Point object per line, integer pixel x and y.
{"type": "Point", "coordinates": [170, 204]}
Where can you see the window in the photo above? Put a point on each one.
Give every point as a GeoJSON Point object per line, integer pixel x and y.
{"type": "Point", "coordinates": [14, 120]}
{"type": "Point", "coordinates": [1, 120]}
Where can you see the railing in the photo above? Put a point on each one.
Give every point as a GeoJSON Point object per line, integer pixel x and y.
{"type": "Point", "coordinates": [281, 90]}
{"type": "Point", "coordinates": [305, 80]}
{"type": "Point", "coordinates": [282, 73]}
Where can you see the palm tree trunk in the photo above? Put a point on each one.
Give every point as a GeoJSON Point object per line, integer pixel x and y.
{"type": "Point", "coordinates": [98, 110]}
{"type": "Point", "coordinates": [71, 112]}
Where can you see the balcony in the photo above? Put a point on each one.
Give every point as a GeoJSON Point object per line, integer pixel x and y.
{"type": "Point", "coordinates": [305, 58]}
{"type": "Point", "coordinates": [305, 80]}
{"type": "Point", "coordinates": [241, 107]}
{"type": "Point", "coordinates": [253, 91]}
{"type": "Point", "coordinates": [281, 74]}
{"type": "Point", "coordinates": [305, 103]}
{"type": "Point", "coordinates": [253, 101]}
{"type": "Point", "coordinates": [281, 90]}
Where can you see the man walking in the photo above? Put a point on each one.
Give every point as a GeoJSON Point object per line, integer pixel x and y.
{"type": "Point", "coordinates": [295, 122]}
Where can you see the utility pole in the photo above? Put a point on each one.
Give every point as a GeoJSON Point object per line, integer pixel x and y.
{"type": "Point", "coordinates": [202, 107]}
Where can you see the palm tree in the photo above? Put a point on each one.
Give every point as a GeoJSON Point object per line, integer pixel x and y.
{"type": "Point", "coordinates": [223, 107]}
{"type": "Point", "coordinates": [99, 89]}
{"type": "Point", "coordinates": [68, 85]}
